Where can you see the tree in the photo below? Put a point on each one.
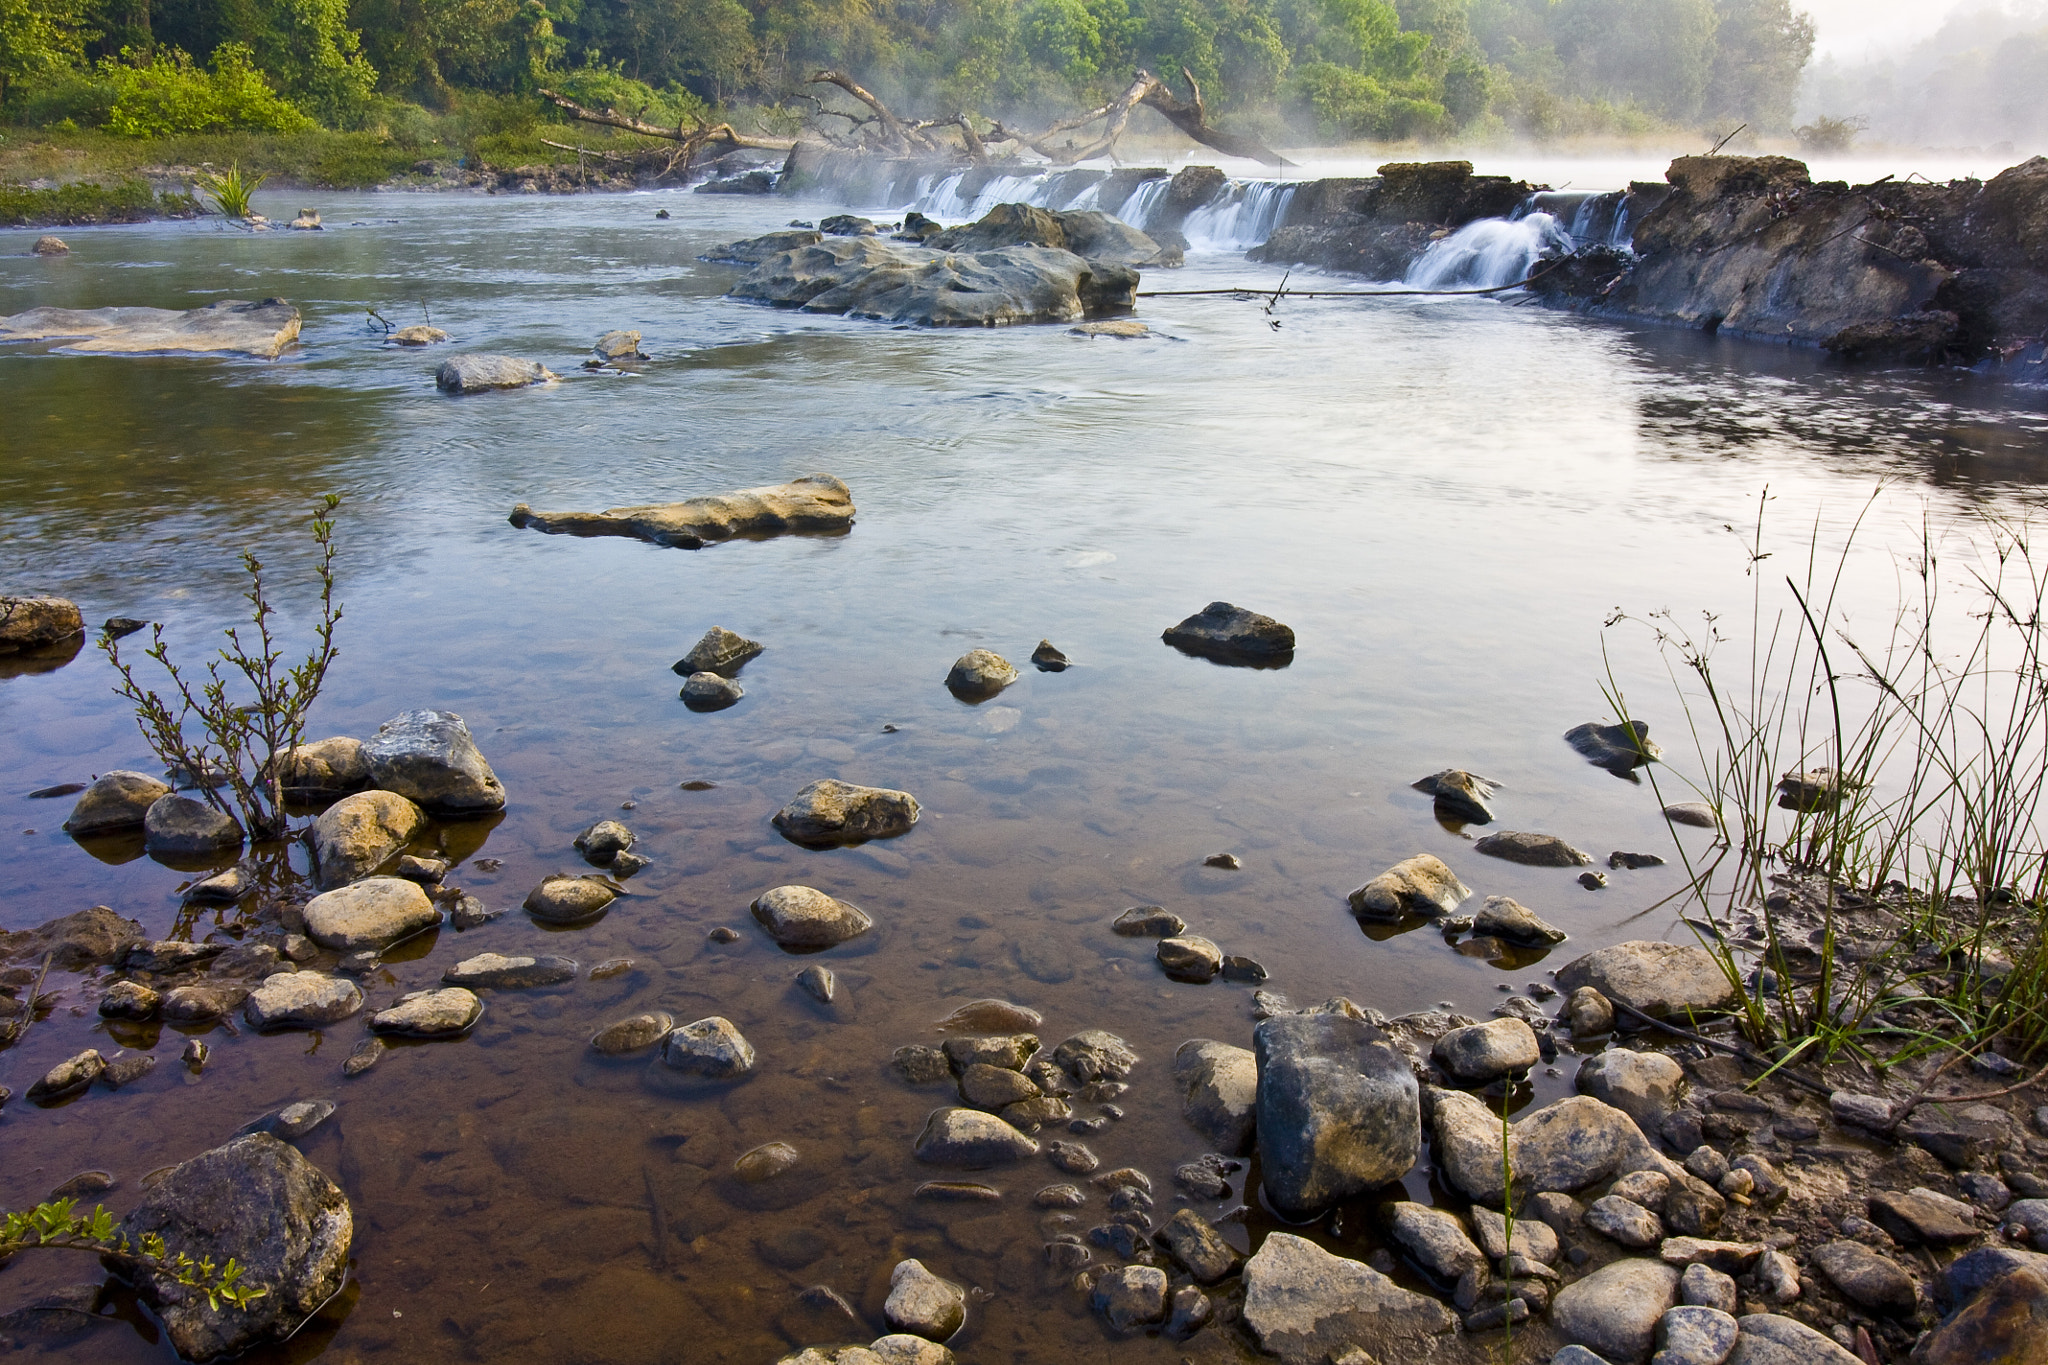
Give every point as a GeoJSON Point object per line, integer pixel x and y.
{"type": "Point", "coordinates": [1760, 47]}
{"type": "Point", "coordinates": [40, 38]}
{"type": "Point", "coordinates": [1655, 53]}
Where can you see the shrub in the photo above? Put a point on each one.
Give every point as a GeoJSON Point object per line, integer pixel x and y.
{"type": "Point", "coordinates": [601, 87]}
{"type": "Point", "coordinates": [1340, 102]}
{"type": "Point", "coordinates": [172, 94]}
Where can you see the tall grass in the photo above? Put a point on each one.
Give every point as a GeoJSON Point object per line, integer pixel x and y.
{"type": "Point", "coordinates": [1923, 747]}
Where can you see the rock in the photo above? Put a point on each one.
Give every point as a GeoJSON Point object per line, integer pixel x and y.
{"type": "Point", "coordinates": [1131, 1297]}
{"type": "Point", "coordinates": [1589, 1013]}
{"type": "Point", "coordinates": [307, 221]}
{"type": "Point", "coordinates": [603, 841]}
{"type": "Point", "coordinates": [2031, 1214]}
{"type": "Point", "coordinates": [1706, 1163]}
{"type": "Point", "coordinates": [1963, 1135]}
{"type": "Point", "coordinates": [1660, 979]}
{"type": "Point", "coordinates": [179, 825]}
{"type": "Point", "coordinates": [957, 1192]}
{"type": "Point", "coordinates": [1767, 1339]}
{"type": "Point", "coordinates": [482, 373]}
{"type": "Point", "coordinates": [1628, 1223]}
{"type": "Point", "coordinates": [1730, 1258]}
{"type": "Point", "coordinates": [1087, 233]}
{"type": "Point", "coordinates": [2007, 1324]}
{"type": "Point", "coordinates": [1647, 1188]}
{"type": "Point", "coordinates": [1072, 1157]}
{"type": "Point", "coordinates": [829, 812]}
{"type": "Point", "coordinates": [1777, 1277]}
{"type": "Point", "coordinates": [1861, 1111]}
{"type": "Point", "coordinates": [568, 900]}
{"type": "Point", "coordinates": [1435, 1238]}
{"type": "Point", "coordinates": [357, 834]}
{"type": "Point", "coordinates": [868, 278]}
{"type": "Point", "coordinates": [1095, 1055]}
{"type": "Point", "coordinates": [1198, 1246]}
{"type": "Point", "coordinates": [1191, 1310]}
{"type": "Point", "coordinates": [469, 913]}
{"type": "Point", "coordinates": [1229, 634]}
{"type": "Point", "coordinates": [49, 245]}
{"type": "Point", "coordinates": [1703, 1286]}
{"type": "Point", "coordinates": [1504, 917]}
{"type": "Point", "coordinates": [979, 674]}
{"type": "Point", "coordinates": [819, 983]}
{"type": "Point", "coordinates": [816, 504]}
{"type": "Point", "coordinates": [115, 801]}
{"type": "Point", "coordinates": [1811, 790]}
{"type": "Point", "coordinates": [363, 1057]}
{"type": "Point", "coordinates": [634, 1033]}
{"type": "Point", "coordinates": [902, 1348]}
{"type": "Point", "coordinates": [1922, 1215]}
{"type": "Point", "coordinates": [710, 692]}
{"type": "Point", "coordinates": [74, 942]}
{"type": "Point", "coordinates": [126, 1068]}
{"type": "Point", "coordinates": [1009, 1051]}
{"type": "Point", "coordinates": [719, 651]}
{"type": "Point", "coordinates": [1696, 813]}
{"type": "Point", "coordinates": [710, 1047]}
{"type": "Point", "coordinates": [1593, 881]}
{"type": "Point", "coordinates": [375, 912]}
{"type": "Point", "coordinates": [261, 329]}
{"type": "Point", "coordinates": [613, 346]}
{"type": "Point", "coordinates": [765, 1162]}
{"type": "Point", "coordinates": [290, 1122]}
{"type": "Point", "coordinates": [419, 335]}
{"type": "Point", "coordinates": [1046, 658]}
{"type": "Point", "coordinates": [1694, 1335]}
{"type": "Point", "coordinates": [501, 972]}
{"type": "Point", "coordinates": [1562, 1147]}
{"type": "Point", "coordinates": [1614, 1311]}
{"type": "Point", "coordinates": [1620, 749]}
{"type": "Point", "coordinates": [1307, 1306]}
{"type": "Point", "coordinates": [1460, 795]}
{"type": "Point", "coordinates": [1190, 957]}
{"type": "Point", "coordinates": [301, 1000]}
{"type": "Point", "coordinates": [1420, 885]}
{"type": "Point", "coordinates": [799, 917]}
{"type": "Point", "coordinates": [1634, 862]}
{"type": "Point", "coordinates": [1219, 1092]}
{"type": "Point", "coordinates": [1147, 921]}
{"type": "Point", "coordinates": [1533, 1239]}
{"type": "Point", "coordinates": [130, 1000]}
{"type": "Point", "coordinates": [1480, 1054]}
{"type": "Point", "coordinates": [68, 1076]}
{"type": "Point", "coordinates": [755, 250]}
{"type": "Point", "coordinates": [444, 1013]}
{"type": "Point", "coordinates": [223, 888]}
{"type": "Point", "coordinates": [1533, 850]}
{"type": "Point", "coordinates": [992, 1087]}
{"type": "Point", "coordinates": [990, 1016]}
{"type": "Point", "coordinates": [1647, 1086]}
{"type": "Point", "coordinates": [260, 1202]}
{"type": "Point", "coordinates": [922, 1304]}
{"type": "Point", "coordinates": [970, 1139]}
{"type": "Point", "coordinates": [428, 757]}
{"type": "Point", "coordinates": [1865, 1278]}
{"type": "Point", "coordinates": [1338, 1111]}
{"type": "Point", "coordinates": [201, 1004]}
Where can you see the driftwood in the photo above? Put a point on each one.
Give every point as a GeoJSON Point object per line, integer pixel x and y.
{"type": "Point", "coordinates": [722, 137]}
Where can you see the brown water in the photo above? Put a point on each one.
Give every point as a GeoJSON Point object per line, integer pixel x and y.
{"type": "Point", "coordinates": [1444, 500]}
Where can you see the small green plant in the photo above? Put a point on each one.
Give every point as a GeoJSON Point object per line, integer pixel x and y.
{"type": "Point", "coordinates": [230, 190]}
{"type": "Point", "coordinates": [250, 710]}
{"type": "Point", "coordinates": [58, 1226]}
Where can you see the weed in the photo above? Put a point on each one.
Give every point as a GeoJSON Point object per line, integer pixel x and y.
{"type": "Point", "coordinates": [57, 1226]}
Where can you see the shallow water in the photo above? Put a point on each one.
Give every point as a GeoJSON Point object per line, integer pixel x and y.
{"type": "Point", "coordinates": [1445, 499]}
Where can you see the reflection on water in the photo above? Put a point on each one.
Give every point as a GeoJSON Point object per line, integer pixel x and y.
{"type": "Point", "coordinates": [1442, 498]}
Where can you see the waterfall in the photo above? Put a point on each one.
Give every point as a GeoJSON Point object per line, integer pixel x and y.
{"type": "Point", "coordinates": [1242, 216]}
{"type": "Point", "coordinates": [1144, 202]}
{"type": "Point", "coordinates": [1489, 253]}
{"type": "Point", "coordinates": [1589, 218]}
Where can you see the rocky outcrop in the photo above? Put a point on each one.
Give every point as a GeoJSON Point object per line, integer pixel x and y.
{"type": "Point", "coordinates": [230, 326]}
{"type": "Point", "coordinates": [816, 504]}
{"type": "Point", "coordinates": [1086, 233]}
{"type": "Point", "coordinates": [867, 277]}
{"type": "Point", "coordinates": [1378, 225]}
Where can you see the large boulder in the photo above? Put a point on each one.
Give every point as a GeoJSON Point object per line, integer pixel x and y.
{"type": "Point", "coordinates": [354, 836]}
{"type": "Point", "coordinates": [1309, 1307]}
{"type": "Point", "coordinates": [830, 812]}
{"type": "Point", "coordinates": [1662, 980]}
{"type": "Point", "coordinates": [1614, 1310]}
{"type": "Point", "coordinates": [801, 917]}
{"type": "Point", "coordinates": [229, 325]}
{"type": "Point", "coordinates": [115, 801]}
{"type": "Point", "coordinates": [1563, 1147]}
{"type": "Point", "coordinates": [866, 277]}
{"type": "Point", "coordinates": [2006, 1324]}
{"type": "Point", "coordinates": [37, 623]}
{"type": "Point", "coordinates": [1647, 1086]}
{"type": "Point", "coordinates": [429, 758]}
{"type": "Point", "coordinates": [372, 913]}
{"type": "Point", "coordinates": [1219, 1092]}
{"type": "Point", "coordinates": [262, 1203]}
{"type": "Point", "coordinates": [1339, 1111]}
{"type": "Point", "coordinates": [1230, 634]}
{"type": "Point", "coordinates": [1087, 233]}
{"type": "Point", "coordinates": [816, 504]}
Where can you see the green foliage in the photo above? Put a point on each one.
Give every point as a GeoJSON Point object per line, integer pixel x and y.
{"type": "Point", "coordinates": [604, 87]}
{"type": "Point", "coordinates": [170, 93]}
{"type": "Point", "coordinates": [125, 201]}
{"type": "Point", "coordinates": [1337, 102]}
{"type": "Point", "coordinates": [58, 1226]}
{"type": "Point", "coordinates": [40, 38]}
{"type": "Point", "coordinates": [229, 190]}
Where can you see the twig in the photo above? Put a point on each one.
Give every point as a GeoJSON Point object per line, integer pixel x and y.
{"type": "Point", "coordinates": [1923, 1098]}
{"type": "Point", "coordinates": [18, 1030]}
{"type": "Point", "coordinates": [1726, 140]}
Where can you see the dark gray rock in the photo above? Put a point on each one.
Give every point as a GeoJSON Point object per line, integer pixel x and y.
{"type": "Point", "coordinates": [819, 983]}
{"type": "Point", "coordinates": [181, 826]}
{"type": "Point", "coordinates": [1624, 1221]}
{"type": "Point", "coordinates": [1198, 1247]}
{"type": "Point", "coordinates": [708, 691]}
{"type": "Point", "coordinates": [719, 651]}
{"type": "Point", "coordinates": [429, 758]}
{"type": "Point", "coordinates": [1230, 634]}
{"type": "Point", "coordinates": [1694, 1335]}
{"type": "Point", "coordinates": [1460, 796]}
{"type": "Point", "coordinates": [1148, 921]}
{"type": "Point", "coordinates": [1620, 749]}
{"type": "Point", "coordinates": [1338, 1111]}
{"type": "Point", "coordinates": [1434, 1238]}
{"type": "Point", "coordinates": [603, 841]}
{"type": "Point", "coordinates": [710, 1047]}
{"type": "Point", "coordinates": [482, 373]}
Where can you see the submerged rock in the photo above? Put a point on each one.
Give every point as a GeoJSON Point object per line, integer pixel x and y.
{"type": "Point", "coordinates": [634, 1033]}
{"type": "Point", "coordinates": [922, 1304]}
{"type": "Point", "coordinates": [1460, 795]}
{"type": "Point", "coordinates": [1696, 813]}
{"type": "Point", "coordinates": [709, 691]}
{"type": "Point", "coordinates": [482, 373]}
{"type": "Point", "coordinates": [1420, 885]}
{"type": "Point", "coordinates": [496, 970]}
{"type": "Point", "coordinates": [1534, 850]}
{"type": "Point", "coordinates": [115, 801]}
{"type": "Point", "coordinates": [832, 812]}
{"type": "Point", "coordinates": [979, 674]}
{"type": "Point", "coordinates": [819, 983]}
{"type": "Point", "coordinates": [1309, 1307]}
{"type": "Point", "coordinates": [429, 757]}
{"type": "Point", "coordinates": [568, 900]}
{"type": "Point", "coordinates": [1620, 749]}
{"type": "Point", "coordinates": [816, 504]}
{"type": "Point", "coordinates": [868, 278]}
{"type": "Point", "coordinates": [1230, 634]}
{"type": "Point", "coordinates": [802, 917]}
{"type": "Point", "coordinates": [1219, 1092]}
{"type": "Point", "coordinates": [356, 835]}
{"type": "Point", "coordinates": [970, 1139]}
{"type": "Point", "coordinates": [261, 329]}
{"type": "Point", "coordinates": [1147, 921]}
{"type": "Point", "coordinates": [1095, 1055]}
{"type": "Point", "coordinates": [990, 1016]}
{"type": "Point", "coordinates": [1338, 1111]}
{"type": "Point", "coordinates": [1662, 980]}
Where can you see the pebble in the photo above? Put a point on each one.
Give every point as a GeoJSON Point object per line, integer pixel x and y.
{"type": "Point", "coordinates": [1230, 862]}
{"type": "Point", "coordinates": [1190, 958]}
{"type": "Point", "coordinates": [819, 982]}
{"type": "Point", "coordinates": [364, 1057]}
{"type": "Point", "coordinates": [723, 934]}
{"type": "Point", "coordinates": [1148, 921]}
{"type": "Point", "coordinates": [1071, 1157]}
{"type": "Point", "coordinates": [957, 1191]}
{"type": "Point", "coordinates": [634, 1033]}
{"type": "Point", "coordinates": [611, 967]}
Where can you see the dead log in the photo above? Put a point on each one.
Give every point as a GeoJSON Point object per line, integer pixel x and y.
{"type": "Point", "coordinates": [1192, 120]}
{"type": "Point", "coordinates": [1146, 89]}
{"type": "Point", "coordinates": [722, 137]}
{"type": "Point", "coordinates": [898, 136]}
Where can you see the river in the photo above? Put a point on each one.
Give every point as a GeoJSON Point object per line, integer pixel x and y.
{"type": "Point", "coordinates": [1445, 498]}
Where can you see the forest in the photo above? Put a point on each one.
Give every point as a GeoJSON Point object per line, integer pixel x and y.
{"type": "Point", "coordinates": [1303, 72]}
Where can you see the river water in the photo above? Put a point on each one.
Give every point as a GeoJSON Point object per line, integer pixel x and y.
{"type": "Point", "coordinates": [1444, 498]}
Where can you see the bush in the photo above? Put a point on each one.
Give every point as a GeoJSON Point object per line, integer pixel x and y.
{"type": "Point", "coordinates": [172, 94]}
{"type": "Point", "coordinates": [1340, 102]}
{"type": "Point", "coordinates": [600, 87]}
{"type": "Point", "coordinates": [125, 201]}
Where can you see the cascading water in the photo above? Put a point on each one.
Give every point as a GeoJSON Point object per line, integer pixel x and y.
{"type": "Point", "coordinates": [1489, 253]}
{"type": "Point", "coordinates": [1242, 216]}
{"type": "Point", "coordinates": [1144, 202]}
{"type": "Point", "coordinates": [1589, 218]}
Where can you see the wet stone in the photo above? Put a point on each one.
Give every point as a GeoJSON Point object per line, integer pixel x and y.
{"type": "Point", "coordinates": [372, 913]}
{"type": "Point", "coordinates": [68, 1076]}
{"type": "Point", "coordinates": [1060, 1197]}
{"type": "Point", "coordinates": [722, 934]}
{"type": "Point", "coordinates": [1421, 885]}
{"type": "Point", "coordinates": [1191, 1309]}
{"type": "Point", "coordinates": [802, 917]}
{"type": "Point", "coordinates": [1125, 1238]}
{"type": "Point", "coordinates": [1633, 861]}
{"type": "Point", "coordinates": [468, 912]}
{"type": "Point", "coordinates": [301, 1000]}
{"type": "Point", "coordinates": [603, 841]}
{"type": "Point", "coordinates": [177, 824]}
{"type": "Point", "coordinates": [1206, 1177]}
{"type": "Point", "coordinates": [129, 1000]}
{"type": "Point", "coordinates": [1048, 659]}
{"type": "Point", "coordinates": [1618, 748]}
{"type": "Point", "coordinates": [765, 1162]}
{"type": "Point", "coordinates": [992, 1087]}
{"type": "Point", "coordinates": [830, 812]}
{"type": "Point", "coordinates": [1230, 634]}
{"type": "Point", "coordinates": [1131, 1297]}
{"type": "Point", "coordinates": [979, 674]}
{"type": "Point", "coordinates": [611, 967]}
{"type": "Point", "coordinates": [819, 983]}
{"type": "Point", "coordinates": [1071, 1157]}
{"type": "Point", "coordinates": [84, 1186]}
{"type": "Point", "coordinates": [991, 1016]}
{"type": "Point", "coordinates": [921, 1065]}
{"type": "Point", "coordinates": [709, 1047]}
{"type": "Point", "coordinates": [1148, 921]}
{"type": "Point", "coordinates": [719, 651]}
{"type": "Point", "coordinates": [957, 1192]}
{"type": "Point", "coordinates": [971, 1139]}
{"type": "Point", "coordinates": [115, 801]}
{"type": "Point", "coordinates": [1460, 795]}
{"type": "Point", "coordinates": [568, 900]}
{"type": "Point", "coordinates": [634, 1033]}
{"type": "Point", "coordinates": [364, 1057]}
{"type": "Point", "coordinates": [1593, 881]}
{"type": "Point", "coordinates": [1531, 850]}
{"type": "Point", "coordinates": [1010, 1051]}
{"type": "Point", "coordinates": [201, 1004]}
{"type": "Point", "coordinates": [126, 1068]}
{"type": "Point", "coordinates": [1507, 918]}
{"type": "Point", "coordinates": [923, 1304]}
{"type": "Point", "coordinates": [1094, 1055]}
{"type": "Point", "coordinates": [1242, 969]}
{"type": "Point", "coordinates": [445, 1013]}
{"type": "Point", "coordinates": [711, 692]}
{"type": "Point", "coordinates": [427, 871]}
{"type": "Point", "coordinates": [1190, 958]}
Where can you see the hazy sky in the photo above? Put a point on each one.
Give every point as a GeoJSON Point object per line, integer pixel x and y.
{"type": "Point", "coordinates": [1848, 29]}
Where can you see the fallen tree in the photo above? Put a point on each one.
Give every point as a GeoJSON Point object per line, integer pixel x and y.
{"type": "Point", "coordinates": [718, 138]}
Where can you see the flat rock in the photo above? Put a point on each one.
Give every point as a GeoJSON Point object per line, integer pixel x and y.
{"type": "Point", "coordinates": [709, 1047]}
{"type": "Point", "coordinates": [1768, 1339]}
{"type": "Point", "coordinates": [180, 825]}
{"type": "Point", "coordinates": [1660, 979]}
{"type": "Point", "coordinates": [358, 834]}
{"type": "Point", "coordinates": [1506, 918]}
{"type": "Point", "coordinates": [1698, 814]}
{"type": "Point", "coordinates": [482, 373]}
{"type": "Point", "coordinates": [1532, 850]}
{"type": "Point", "coordinates": [372, 913]}
{"type": "Point", "coordinates": [816, 504]}
{"type": "Point", "coordinates": [68, 1076]}
{"type": "Point", "coordinates": [1647, 1086]}
{"type": "Point", "coordinates": [922, 1304]}
{"type": "Point", "coordinates": [718, 651]}
{"type": "Point", "coordinates": [497, 970]}
{"type": "Point", "coordinates": [1618, 748]}
{"type": "Point", "coordinates": [1219, 1092]}
{"type": "Point", "coordinates": [568, 900]}
{"type": "Point", "coordinates": [1480, 1054]}
{"type": "Point", "coordinates": [1189, 957]}
{"type": "Point", "coordinates": [443, 1013]}
{"type": "Point", "coordinates": [990, 1016]}
{"type": "Point", "coordinates": [1868, 1280]}
{"type": "Point", "coordinates": [1309, 1307]}
{"type": "Point", "coordinates": [429, 758]}
{"type": "Point", "coordinates": [115, 801]}
{"type": "Point", "coordinates": [634, 1033]}
{"type": "Point", "coordinates": [324, 768]}
{"type": "Point", "coordinates": [970, 1139]}
{"type": "Point", "coordinates": [229, 326]}
{"type": "Point", "coordinates": [1460, 795]}
{"type": "Point", "coordinates": [301, 1000]}
{"type": "Point", "coordinates": [1338, 1111]}
{"type": "Point", "coordinates": [1230, 634]}
{"type": "Point", "coordinates": [1694, 1335]}
{"type": "Point", "coordinates": [1420, 885]}
{"type": "Point", "coordinates": [1147, 921]}
{"type": "Point", "coordinates": [979, 674]}
{"type": "Point", "coordinates": [290, 1122]}
{"type": "Point", "coordinates": [801, 917]}
{"type": "Point", "coordinates": [1614, 1310]}
{"type": "Point", "coordinates": [1923, 1216]}
{"type": "Point", "coordinates": [866, 277]}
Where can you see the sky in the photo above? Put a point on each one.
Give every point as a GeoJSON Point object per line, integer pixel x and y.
{"type": "Point", "coordinates": [1848, 30]}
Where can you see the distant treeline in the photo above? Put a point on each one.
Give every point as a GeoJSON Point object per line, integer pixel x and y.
{"type": "Point", "coordinates": [1298, 70]}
